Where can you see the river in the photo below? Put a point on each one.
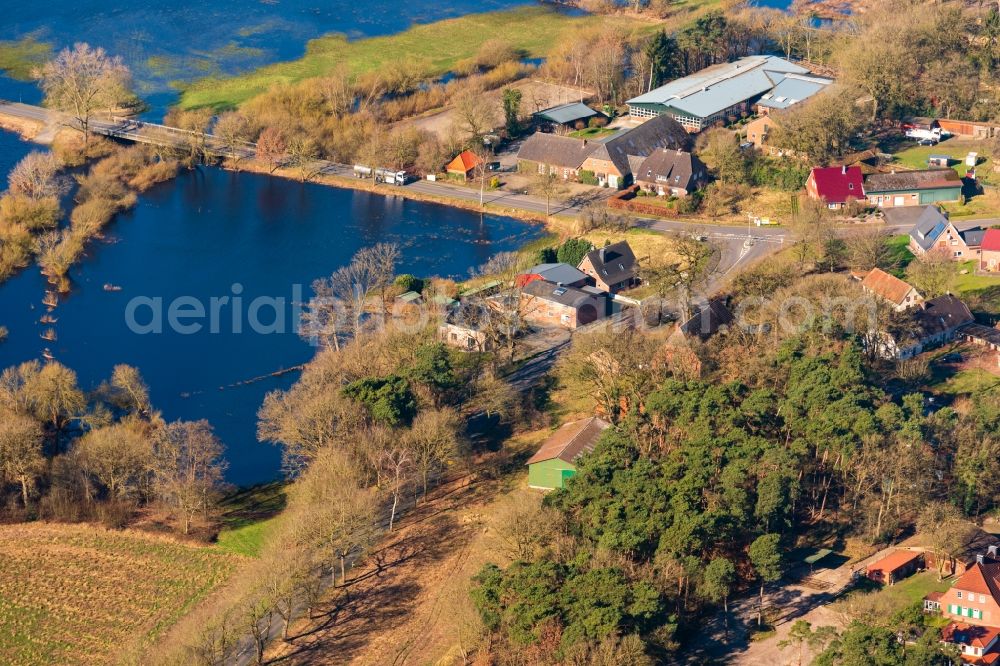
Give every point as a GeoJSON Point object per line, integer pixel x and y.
{"type": "Point", "coordinates": [213, 233]}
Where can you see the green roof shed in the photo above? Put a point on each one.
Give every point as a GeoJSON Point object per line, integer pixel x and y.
{"type": "Point", "coordinates": [555, 462]}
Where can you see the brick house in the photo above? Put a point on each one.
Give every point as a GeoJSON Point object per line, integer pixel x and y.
{"type": "Point", "coordinates": [673, 173]}
{"type": "Point", "coordinates": [973, 606]}
{"type": "Point", "coordinates": [612, 267]}
{"type": "Point", "coordinates": [899, 294]}
{"type": "Point", "coordinates": [934, 232]}
{"type": "Point", "coordinates": [895, 566]}
{"type": "Point", "coordinates": [614, 159]}
{"type": "Point", "coordinates": [913, 188]}
{"type": "Point", "coordinates": [551, 304]}
{"type": "Point", "coordinates": [836, 186]}
{"type": "Point", "coordinates": [550, 153]}
{"type": "Point", "coordinates": [989, 251]}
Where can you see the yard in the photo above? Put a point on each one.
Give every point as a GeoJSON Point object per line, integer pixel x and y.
{"type": "Point", "coordinates": [978, 206]}
{"type": "Point", "coordinates": [593, 133]}
{"type": "Point", "coordinates": [84, 594]}
{"type": "Point", "coordinates": [438, 47]}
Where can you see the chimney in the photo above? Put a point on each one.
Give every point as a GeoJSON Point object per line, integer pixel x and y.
{"type": "Point", "coordinates": [843, 169]}
{"type": "Point", "coordinates": [979, 559]}
{"type": "Point", "coordinates": [992, 551]}
{"type": "Point", "coordinates": [601, 255]}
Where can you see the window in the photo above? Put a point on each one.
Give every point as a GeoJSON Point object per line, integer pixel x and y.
{"type": "Point", "coordinates": [977, 614]}
{"type": "Point", "coordinates": [958, 594]}
{"type": "Point", "coordinates": [850, 186]}
{"type": "Point", "coordinates": [982, 598]}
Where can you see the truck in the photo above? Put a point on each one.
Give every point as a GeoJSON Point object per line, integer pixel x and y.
{"type": "Point", "coordinates": [933, 135]}
{"type": "Point", "coordinates": [382, 175]}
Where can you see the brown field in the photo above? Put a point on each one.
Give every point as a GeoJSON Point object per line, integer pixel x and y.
{"type": "Point", "coordinates": [75, 594]}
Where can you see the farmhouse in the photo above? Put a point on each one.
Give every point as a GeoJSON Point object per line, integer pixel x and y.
{"type": "Point", "coordinates": [913, 188]}
{"type": "Point", "coordinates": [835, 185]}
{"type": "Point", "coordinates": [934, 232]}
{"type": "Point", "coordinates": [614, 159]}
{"type": "Point", "coordinates": [895, 566]}
{"type": "Point", "coordinates": [972, 605]}
{"type": "Point", "coordinates": [612, 267]}
{"type": "Point", "coordinates": [989, 257]}
{"type": "Point", "coordinates": [936, 321]}
{"type": "Point", "coordinates": [673, 173]}
{"type": "Point", "coordinates": [551, 304]}
{"type": "Point", "coordinates": [718, 92]}
{"type": "Point", "coordinates": [609, 161]}
{"type": "Point", "coordinates": [554, 154]}
{"type": "Point", "coordinates": [900, 295]}
{"type": "Point", "coordinates": [555, 462]}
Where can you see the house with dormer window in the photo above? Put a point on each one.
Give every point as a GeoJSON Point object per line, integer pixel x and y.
{"type": "Point", "coordinates": [973, 607]}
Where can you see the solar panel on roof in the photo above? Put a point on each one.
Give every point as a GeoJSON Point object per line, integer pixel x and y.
{"type": "Point", "coordinates": [558, 292]}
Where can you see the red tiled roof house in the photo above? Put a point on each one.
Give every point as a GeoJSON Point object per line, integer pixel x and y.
{"type": "Point", "coordinates": [899, 294]}
{"type": "Point", "coordinates": [973, 606]}
{"type": "Point", "coordinates": [989, 257]}
{"type": "Point", "coordinates": [836, 185]}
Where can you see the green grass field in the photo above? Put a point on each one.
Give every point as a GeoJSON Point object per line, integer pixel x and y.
{"type": "Point", "coordinates": [78, 594]}
{"type": "Point", "coordinates": [592, 133]}
{"type": "Point", "coordinates": [19, 57]}
{"type": "Point", "coordinates": [439, 46]}
{"type": "Point", "coordinates": [247, 518]}
{"type": "Point", "coordinates": [900, 255]}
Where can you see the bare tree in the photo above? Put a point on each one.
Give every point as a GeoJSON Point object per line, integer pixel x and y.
{"type": "Point", "coordinates": [188, 468]}
{"type": "Point", "coordinates": [234, 130]}
{"type": "Point", "coordinates": [869, 248]}
{"type": "Point", "coordinates": [338, 91]}
{"type": "Point", "coordinates": [37, 176]}
{"type": "Point", "coordinates": [21, 459]}
{"type": "Point", "coordinates": [82, 80]}
{"type": "Point", "coordinates": [434, 442]}
{"type": "Point", "coordinates": [475, 114]}
{"type": "Point", "coordinates": [303, 155]}
{"type": "Point", "coordinates": [547, 185]}
{"type": "Point", "coordinates": [271, 147]}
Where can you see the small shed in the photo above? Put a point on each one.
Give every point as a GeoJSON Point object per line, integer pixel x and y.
{"type": "Point", "coordinates": [464, 164]}
{"type": "Point", "coordinates": [938, 160]}
{"type": "Point", "coordinates": [895, 566]}
{"type": "Point", "coordinates": [555, 462]}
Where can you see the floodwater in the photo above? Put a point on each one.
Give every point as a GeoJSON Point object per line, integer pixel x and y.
{"type": "Point", "coordinates": [217, 234]}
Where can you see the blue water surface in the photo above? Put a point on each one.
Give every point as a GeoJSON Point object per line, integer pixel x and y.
{"type": "Point", "coordinates": [182, 40]}
{"type": "Point", "coordinates": [199, 236]}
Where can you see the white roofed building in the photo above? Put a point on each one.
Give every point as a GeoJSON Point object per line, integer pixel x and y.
{"type": "Point", "coordinates": [717, 92]}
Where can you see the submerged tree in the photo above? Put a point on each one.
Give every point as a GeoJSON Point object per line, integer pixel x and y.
{"type": "Point", "coordinates": [82, 80]}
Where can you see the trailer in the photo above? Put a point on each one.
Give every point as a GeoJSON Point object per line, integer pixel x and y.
{"type": "Point", "coordinates": [381, 175]}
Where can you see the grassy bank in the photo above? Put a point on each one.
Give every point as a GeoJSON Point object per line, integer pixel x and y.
{"type": "Point", "coordinates": [83, 594]}
{"type": "Point", "coordinates": [440, 45]}
{"type": "Point", "coordinates": [19, 57]}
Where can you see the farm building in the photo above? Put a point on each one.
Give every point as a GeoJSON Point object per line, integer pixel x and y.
{"type": "Point", "coordinates": [836, 186]}
{"type": "Point", "coordinates": [718, 92]}
{"type": "Point", "coordinates": [895, 566]}
{"type": "Point", "coordinates": [567, 115]}
{"type": "Point", "coordinates": [555, 462]}
{"type": "Point", "coordinates": [550, 304]}
{"type": "Point", "coordinates": [899, 294]}
{"type": "Point", "coordinates": [913, 188]}
{"type": "Point", "coordinates": [464, 164]}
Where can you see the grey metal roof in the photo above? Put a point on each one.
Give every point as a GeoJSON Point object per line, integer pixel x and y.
{"type": "Point", "coordinates": [567, 113]}
{"type": "Point", "coordinates": [558, 273]}
{"type": "Point", "coordinates": [793, 89]}
{"type": "Point", "coordinates": [928, 227]}
{"type": "Point", "coordinates": [721, 86]}
{"type": "Point", "coordinates": [550, 291]}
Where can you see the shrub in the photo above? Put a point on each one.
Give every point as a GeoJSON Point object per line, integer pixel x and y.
{"type": "Point", "coordinates": [587, 177]}
{"type": "Point", "coordinates": [573, 251]}
{"type": "Point", "coordinates": [408, 282]}
{"type": "Point", "coordinates": [597, 121]}
{"type": "Point", "coordinates": [27, 213]}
